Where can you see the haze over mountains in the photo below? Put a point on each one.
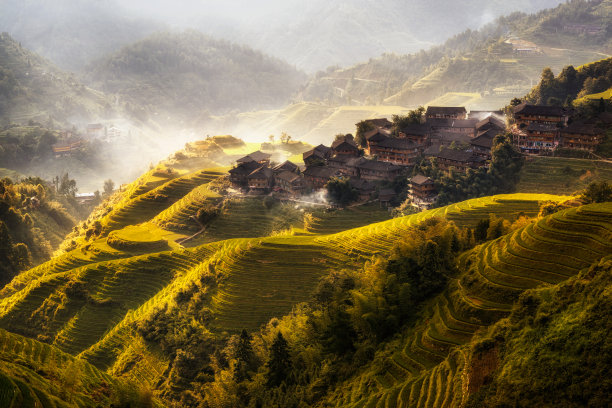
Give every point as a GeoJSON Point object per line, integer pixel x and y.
{"type": "Point", "coordinates": [73, 32]}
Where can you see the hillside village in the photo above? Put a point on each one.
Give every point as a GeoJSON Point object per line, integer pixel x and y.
{"type": "Point", "coordinates": [451, 137]}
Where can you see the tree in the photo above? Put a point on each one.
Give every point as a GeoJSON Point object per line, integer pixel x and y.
{"type": "Point", "coordinates": [245, 357]}
{"type": "Point", "coordinates": [279, 365]}
{"type": "Point", "coordinates": [363, 127]}
{"type": "Point", "coordinates": [67, 186]}
{"type": "Point", "coordinates": [109, 187]}
{"type": "Point", "coordinates": [340, 191]}
{"type": "Point", "coordinates": [412, 117]}
{"type": "Point", "coordinates": [597, 193]}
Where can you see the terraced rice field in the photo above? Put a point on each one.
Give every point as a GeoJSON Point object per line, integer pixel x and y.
{"type": "Point", "coordinates": [428, 370]}
{"type": "Point", "coordinates": [331, 222]}
{"type": "Point", "coordinates": [556, 175]}
{"type": "Point", "coordinates": [29, 376]}
{"type": "Point", "coordinates": [145, 206]}
{"type": "Point", "coordinates": [88, 301]}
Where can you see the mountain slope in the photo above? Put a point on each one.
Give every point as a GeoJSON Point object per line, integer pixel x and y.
{"type": "Point", "coordinates": [71, 33]}
{"type": "Point", "coordinates": [473, 61]}
{"type": "Point", "coordinates": [429, 367]}
{"type": "Point", "coordinates": [184, 75]}
{"type": "Point", "coordinates": [31, 88]}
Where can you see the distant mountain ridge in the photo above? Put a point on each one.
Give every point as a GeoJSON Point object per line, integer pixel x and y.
{"type": "Point", "coordinates": [311, 35]}
{"type": "Point", "coordinates": [189, 73]}
{"type": "Point", "coordinates": [32, 88]}
{"type": "Point", "coordinates": [473, 61]}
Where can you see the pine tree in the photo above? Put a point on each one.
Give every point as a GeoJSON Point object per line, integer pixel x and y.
{"type": "Point", "coordinates": [245, 357]}
{"type": "Point", "coordinates": [279, 364]}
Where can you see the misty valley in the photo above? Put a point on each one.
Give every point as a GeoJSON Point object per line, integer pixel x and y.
{"type": "Point", "coordinates": [295, 204]}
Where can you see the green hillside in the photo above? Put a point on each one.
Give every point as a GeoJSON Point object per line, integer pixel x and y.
{"type": "Point", "coordinates": [32, 88]}
{"type": "Point", "coordinates": [472, 62]}
{"type": "Point", "coordinates": [557, 175]}
{"type": "Point", "coordinates": [428, 367]}
{"type": "Point", "coordinates": [185, 74]}
{"type": "Point", "coordinates": [147, 275]}
{"type": "Point", "coordinates": [35, 374]}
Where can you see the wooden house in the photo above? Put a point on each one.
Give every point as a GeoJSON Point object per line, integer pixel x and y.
{"type": "Point", "coordinates": [345, 147]}
{"type": "Point", "coordinates": [317, 176]}
{"type": "Point", "coordinates": [286, 166]}
{"type": "Point", "coordinates": [261, 180]}
{"type": "Point", "coordinates": [378, 171]}
{"type": "Point", "coordinates": [318, 155]}
{"type": "Point", "coordinates": [465, 126]}
{"type": "Point", "coordinates": [539, 137]}
{"type": "Point", "coordinates": [489, 123]}
{"type": "Point", "coordinates": [483, 143]}
{"type": "Point", "coordinates": [257, 157]}
{"type": "Point", "coordinates": [416, 132]}
{"type": "Point", "coordinates": [460, 160]}
{"type": "Point", "coordinates": [582, 136]}
{"type": "Point", "coordinates": [422, 192]}
{"type": "Point", "coordinates": [446, 112]}
{"type": "Point", "coordinates": [525, 114]}
{"type": "Point", "coordinates": [385, 196]}
{"type": "Point", "coordinates": [239, 174]}
{"type": "Point", "coordinates": [402, 152]}
{"type": "Point", "coordinates": [290, 182]}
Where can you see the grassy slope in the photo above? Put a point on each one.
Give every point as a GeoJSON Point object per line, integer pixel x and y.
{"type": "Point", "coordinates": [87, 301]}
{"type": "Point", "coordinates": [35, 374]}
{"type": "Point", "coordinates": [427, 367]}
{"type": "Point", "coordinates": [556, 175]}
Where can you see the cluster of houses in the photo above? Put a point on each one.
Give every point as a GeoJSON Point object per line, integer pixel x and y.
{"type": "Point", "coordinates": [450, 136]}
{"type": "Point", "coordinates": [541, 129]}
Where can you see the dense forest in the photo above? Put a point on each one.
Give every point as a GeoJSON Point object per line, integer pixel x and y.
{"type": "Point", "coordinates": [571, 84]}
{"type": "Point", "coordinates": [189, 74]}
{"type": "Point", "coordinates": [34, 219]}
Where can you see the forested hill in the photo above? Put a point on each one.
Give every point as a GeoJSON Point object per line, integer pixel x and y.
{"type": "Point", "coordinates": [473, 61]}
{"type": "Point", "coordinates": [32, 88]}
{"type": "Point", "coordinates": [185, 74]}
{"type": "Point", "coordinates": [71, 32]}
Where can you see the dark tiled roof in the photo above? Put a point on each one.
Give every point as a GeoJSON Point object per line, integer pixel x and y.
{"type": "Point", "coordinates": [445, 110]}
{"type": "Point", "coordinates": [449, 137]}
{"type": "Point", "coordinates": [539, 110]}
{"type": "Point", "coordinates": [491, 121]}
{"type": "Point", "coordinates": [396, 143]}
{"type": "Point", "coordinates": [288, 176]}
{"type": "Point", "coordinates": [418, 129]}
{"type": "Point", "coordinates": [320, 172]}
{"type": "Point", "coordinates": [245, 168]}
{"type": "Point", "coordinates": [377, 165]}
{"type": "Point", "coordinates": [386, 194]}
{"type": "Point", "coordinates": [376, 135]}
{"type": "Point", "coordinates": [342, 144]}
{"type": "Point", "coordinates": [582, 128]}
{"type": "Point", "coordinates": [489, 132]}
{"type": "Point", "coordinates": [484, 140]}
{"type": "Point", "coordinates": [286, 166]}
{"type": "Point", "coordinates": [420, 179]}
{"type": "Point", "coordinates": [381, 122]}
{"type": "Point", "coordinates": [262, 172]}
{"type": "Point", "coordinates": [322, 149]}
{"type": "Point", "coordinates": [457, 155]}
